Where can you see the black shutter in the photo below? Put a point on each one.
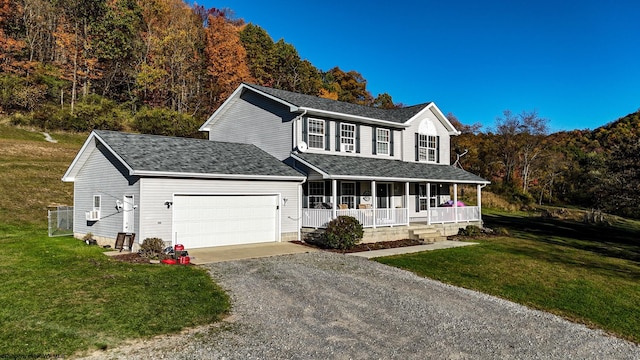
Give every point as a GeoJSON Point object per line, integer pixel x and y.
{"type": "Point", "coordinates": [417, 196]}
{"type": "Point", "coordinates": [358, 138]}
{"type": "Point", "coordinates": [327, 135]}
{"type": "Point", "coordinates": [357, 194]}
{"type": "Point", "coordinates": [327, 191]}
{"type": "Point", "coordinates": [438, 149]}
{"type": "Point", "coordinates": [374, 137]}
{"type": "Point", "coordinates": [417, 147]}
{"type": "Point", "coordinates": [305, 136]}
{"type": "Point", "coordinates": [391, 142]}
{"type": "Point", "coordinates": [338, 135]}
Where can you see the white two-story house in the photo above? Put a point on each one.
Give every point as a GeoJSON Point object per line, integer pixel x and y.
{"type": "Point", "coordinates": [277, 166]}
{"type": "Point", "coordinates": [386, 167]}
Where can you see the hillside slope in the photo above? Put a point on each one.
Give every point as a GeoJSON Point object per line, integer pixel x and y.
{"type": "Point", "coordinates": [30, 173]}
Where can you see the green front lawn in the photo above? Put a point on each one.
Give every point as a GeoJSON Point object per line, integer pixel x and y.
{"type": "Point", "coordinates": [586, 273]}
{"type": "Point", "coordinates": [60, 296]}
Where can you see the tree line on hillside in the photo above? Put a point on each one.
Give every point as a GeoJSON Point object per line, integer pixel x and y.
{"type": "Point", "coordinates": [159, 66]}
{"type": "Point", "coordinates": [163, 66]}
{"type": "Point", "coordinates": [599, 168]}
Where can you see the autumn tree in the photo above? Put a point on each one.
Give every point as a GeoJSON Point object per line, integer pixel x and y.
{"type": "Point", "coordinates": [171, 68]}
{"type": "Point", "coordinates": [350, 86]}
{"type": "Point", "coordinates": [259, 48]}
{"type": "Point", "coordinates": [226, 59]}
{"type": "Point", "coordinates": [520, 139]}
{"type": "Point", "coordinates": [117, 43]}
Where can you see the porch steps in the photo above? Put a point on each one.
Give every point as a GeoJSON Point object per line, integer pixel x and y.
{"type": "Point", "coordinates": [426, 233]}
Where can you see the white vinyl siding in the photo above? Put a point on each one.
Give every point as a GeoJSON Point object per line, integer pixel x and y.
{"type": "Point", "coordinates": [91, 181]}
{"type": "Point", "coordinates": [254, 119]}
{"type": "Point", "coordinates": [316, 133]}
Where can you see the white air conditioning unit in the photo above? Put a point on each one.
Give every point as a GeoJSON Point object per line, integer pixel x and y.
{"type": "Point", "coordinates": [93, 215]}
{"type": "Point", "coordinates": [347, 148]}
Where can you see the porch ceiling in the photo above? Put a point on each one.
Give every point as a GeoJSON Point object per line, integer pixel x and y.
{"type": "Point", "coordinates": [363, 168]}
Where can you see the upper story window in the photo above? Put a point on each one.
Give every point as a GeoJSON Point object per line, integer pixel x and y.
{"type": "Point", "coordinates": [383, 139]}
{"type": "Point", "coordinates": [347, 137]}
{"type": "Point", "coordinates": [427, 148]}
{"type": "Point", "coordinates": [316, 133]}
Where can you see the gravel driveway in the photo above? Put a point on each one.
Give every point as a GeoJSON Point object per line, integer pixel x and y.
{"type": "Point", "coordinates": [330, 306]}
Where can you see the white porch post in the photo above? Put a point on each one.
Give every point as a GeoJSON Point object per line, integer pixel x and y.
{"type": "Point", "coordinates": [455, 201]}
{"type": "Point", "coordinates": [428, 203]}
{"type": "Point", "coordinates": [406, 200]}
{"type": "Point", "coordinates": [334, 197]}
{"type": "Point", "coordinates": [479, 200]}
{"type": "Point", "coordinates": [374, 201]}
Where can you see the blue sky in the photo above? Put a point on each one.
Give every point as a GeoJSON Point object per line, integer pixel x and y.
{"type": "Point", "coordinates": [576, 62]}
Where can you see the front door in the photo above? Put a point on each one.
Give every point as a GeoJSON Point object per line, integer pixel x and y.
{"type": "Point", "coordinates": [382, 196]}
{"type": "Point", "coordinates": [128, 212]}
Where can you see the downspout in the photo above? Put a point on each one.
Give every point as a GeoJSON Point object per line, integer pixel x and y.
{"type": "Point", "coordinates": [295, 166]}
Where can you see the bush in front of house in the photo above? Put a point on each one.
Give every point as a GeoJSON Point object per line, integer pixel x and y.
{"type": "Point", "coordinates": [342, 233]}
{"type": "Point", "coordinates": [470, 230]}
{"type": "Point", "coordinates": [152, 248]}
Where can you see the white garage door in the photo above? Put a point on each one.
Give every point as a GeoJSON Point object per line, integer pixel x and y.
{"type": "Point", "coordinates": [217, 220]}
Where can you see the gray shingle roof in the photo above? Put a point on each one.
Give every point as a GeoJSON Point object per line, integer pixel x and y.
{"type": "Point", "coordinates": [184, 155]}
{"type": "Point", "coordinates": [400, 115]}
{"type": "Point", "coordinates": [361, 167]}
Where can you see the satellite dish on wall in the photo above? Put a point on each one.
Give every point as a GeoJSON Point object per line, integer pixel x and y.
{"type": "Point", "coordinates": [302, 146]}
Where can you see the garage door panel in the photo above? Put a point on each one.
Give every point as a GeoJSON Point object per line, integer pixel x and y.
{"type": "Point", "coordinates": [217, 220]}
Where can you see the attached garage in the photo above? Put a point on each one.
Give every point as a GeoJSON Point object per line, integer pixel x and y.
{"type": "Point", "coordinates": [218, 220]}
{"type": "Point", "coordinates": [198, 193]}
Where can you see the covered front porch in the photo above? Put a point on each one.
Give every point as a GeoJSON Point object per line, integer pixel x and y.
{"type": "Point", "coordinates": [384, 192]}
{"type": "Point", "coordinates": [393, 203]}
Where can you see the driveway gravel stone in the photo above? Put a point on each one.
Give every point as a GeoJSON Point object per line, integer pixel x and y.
{"type": "Point", "coordinates": [331, 306]}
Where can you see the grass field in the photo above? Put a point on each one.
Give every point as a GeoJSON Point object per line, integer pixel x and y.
{"type": "Point", "coordinates": [586, 273]}
{"type": "Point", "coordinates": [60, 296]}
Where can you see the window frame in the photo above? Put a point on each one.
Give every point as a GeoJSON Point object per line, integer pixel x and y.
{"type": "Point", "coordinates": [311, 133]}
{"type": "Point", "coordinates": [428, 148]}
{"type": "Point", "coordinates": [97, 209]}
{"type": "Point", "coordinates": [350, 198]}
{"type": "Point", "coordinates": [383, 142]}
{"type": "Point", "coordinates": [423, 199]}
{"type": "Point", "coordinates": [350, 141]}
{"type": "Point", "coordinates": [314, 195]}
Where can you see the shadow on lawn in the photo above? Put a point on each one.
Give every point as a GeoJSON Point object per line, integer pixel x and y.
{"type": "Point", "coordinates": [613, 241]}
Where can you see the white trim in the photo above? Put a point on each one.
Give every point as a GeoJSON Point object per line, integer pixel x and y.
{"type": "Point", "coordinates": [323, 135]}
{"type": "Point", "coordinates": [443, 119]}
{"type": "Point", "coordinates": [361, 119]}
{"type": "Point", "coordinates": [214, 176]}
{"type": "Point", "coordinates": [392, 179]}
{"type": "Point", "coordinates": [378, 142]}
{"type": "Point", "coordinates": [351, 128]}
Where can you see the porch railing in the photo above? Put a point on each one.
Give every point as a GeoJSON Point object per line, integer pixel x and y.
{"type": "Point", "coordinates": [441, 215]}
{"type": "Point", "coordinates": [318, 218]}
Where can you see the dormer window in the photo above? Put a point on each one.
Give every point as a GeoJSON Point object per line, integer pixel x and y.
{"type": "Point", "coordinates": [316, 134]}
{"type": "Point", "coordinates": [427, 148]}
{"type": "Point", "coordinates": [382, 141]}
{"type": "Point", "coordinates": [347, 137]}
